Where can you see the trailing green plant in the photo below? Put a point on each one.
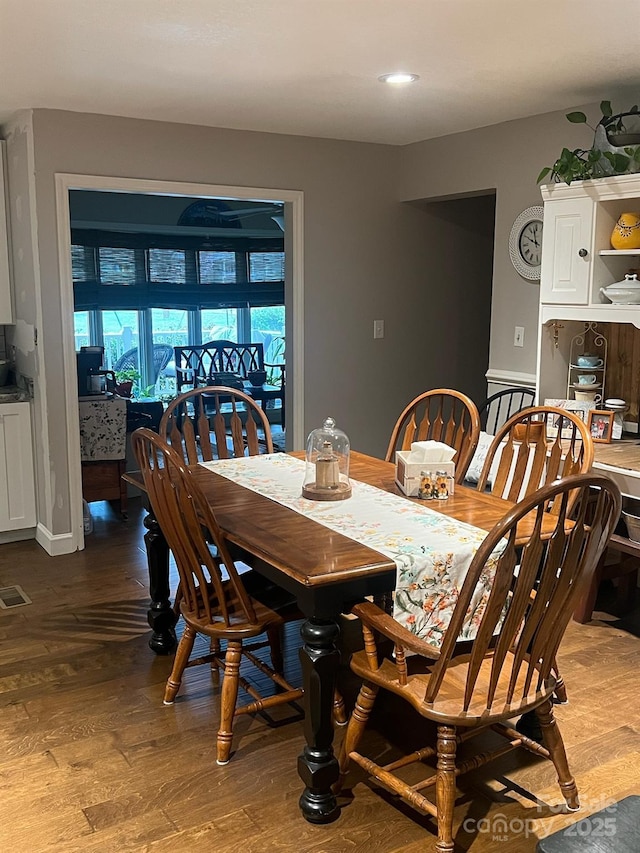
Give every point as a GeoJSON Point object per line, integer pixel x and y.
{"type": "Point", "coordinates": [582, 164]}
{"type": "Point", "coordinates": [130, 375]}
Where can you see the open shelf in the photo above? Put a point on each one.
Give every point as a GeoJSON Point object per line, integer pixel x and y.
{"type": "Point", "coordinates": [616, 252]}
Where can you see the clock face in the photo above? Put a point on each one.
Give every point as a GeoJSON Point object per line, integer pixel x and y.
{"type": "Point", "coordinates": [530, 243]}
{"type": "Point", "coordinates": [525, 243]}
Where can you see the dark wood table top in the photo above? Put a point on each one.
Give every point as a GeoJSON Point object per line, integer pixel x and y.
{"type": "Point", "coordinates": [312, 554]}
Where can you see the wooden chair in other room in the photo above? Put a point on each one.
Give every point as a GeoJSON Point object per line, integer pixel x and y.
{"type": "Point", "coordinates": [219, 608]}
{"type": "Point", "coordinates": [439, 415]}
{"type": "Point", "coordinates": [215, 422]}
{"type": "Point", "coordinates": [537, 446]}
{"type": "Point", "coordinates": [499, 407]}
{"type": "Point", "coordinates": [507, 669]}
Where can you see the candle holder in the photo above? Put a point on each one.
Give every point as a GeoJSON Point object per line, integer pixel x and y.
{"type": "Point", "coordinates": [327, 464]}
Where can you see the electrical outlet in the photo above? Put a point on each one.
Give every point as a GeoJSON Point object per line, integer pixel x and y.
{"type": "Point", "coordinates": [378, 328]}
{"type": "Point", "coordinates": [518, 336]}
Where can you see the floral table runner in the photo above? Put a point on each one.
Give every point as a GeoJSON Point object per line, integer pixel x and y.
{"type": "Point", "coordinates": [431, 551]}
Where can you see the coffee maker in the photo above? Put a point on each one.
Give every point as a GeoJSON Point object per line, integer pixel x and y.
{"type": "Point", "coordinates": [93, 381]}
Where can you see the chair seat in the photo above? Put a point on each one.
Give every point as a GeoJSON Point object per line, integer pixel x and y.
{"type": "Point", "coordinates": [448, 706]}
{"type": "Point", "coordinates": [238, 627]}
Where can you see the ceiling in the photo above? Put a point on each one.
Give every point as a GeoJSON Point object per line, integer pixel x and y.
{"type": "Point", "coordinates": [310, 67]}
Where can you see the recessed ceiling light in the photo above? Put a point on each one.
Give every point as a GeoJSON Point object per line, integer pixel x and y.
{"type": "Point", "coordinates": [398, 77]}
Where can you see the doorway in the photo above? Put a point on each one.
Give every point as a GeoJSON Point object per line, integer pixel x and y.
{"type": "Point", "coordinates": [288, 201]}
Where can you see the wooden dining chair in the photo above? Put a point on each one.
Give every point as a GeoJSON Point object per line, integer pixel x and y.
{"type": "Point", "coordinates": [499, 407]}
{"type": "Point", "coordinates": [215, 422]}
{"type": "Point", "coordinates": [536, 446]}
{"type": "Point", "coordinates": [507, 669]}
{"type": "Point", "coordinates": [439, 415]}
{"type": "Point", "coordinates": [214, 599]}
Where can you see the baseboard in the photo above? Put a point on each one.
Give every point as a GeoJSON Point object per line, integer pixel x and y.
{"type": "Point", "coordinates": [55, 544]}
{"type": "Point", "coordinates": [17, 535]}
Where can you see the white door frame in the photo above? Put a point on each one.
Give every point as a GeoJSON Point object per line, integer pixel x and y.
{"type": "Point", "coordinates": [293, 200]}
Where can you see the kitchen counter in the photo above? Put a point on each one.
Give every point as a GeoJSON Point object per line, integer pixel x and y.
{"type": "Point", "coordinates": [621, 461]}
{"type": "Point", "coordinates": [13, 394]}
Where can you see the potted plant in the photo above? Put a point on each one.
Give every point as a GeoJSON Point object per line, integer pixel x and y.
{"type": "Point", "coordinates": [615, 149]}
{"type": "Point", "coordinates": [125, 380]}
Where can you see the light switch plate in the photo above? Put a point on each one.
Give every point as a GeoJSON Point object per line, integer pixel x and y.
{"type": "Point", "coordinates": [378, 328]}
{"type": "Point", "coordinates": [518, 336]}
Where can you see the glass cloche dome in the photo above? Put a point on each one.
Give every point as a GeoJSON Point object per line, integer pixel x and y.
{"type": "Point", "coordinates": [327, 468]}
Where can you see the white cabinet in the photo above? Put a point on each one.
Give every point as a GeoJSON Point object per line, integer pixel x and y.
{"type": "Point", "coordinates": [577, 258]}
{"type": "Point", "coordinates": [6, 310]}
{"type": "Point", "coordinates": [17, 487]}
{"type": "Point", "coordinates": [566, 256]}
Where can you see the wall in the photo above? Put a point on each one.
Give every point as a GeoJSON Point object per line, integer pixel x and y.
{"type": "Point", "coordinates": [366, 255]}
{"type": "Point", "coordinates": [364, 259]}
{"type": "Point", "coordinates": [506, 158]}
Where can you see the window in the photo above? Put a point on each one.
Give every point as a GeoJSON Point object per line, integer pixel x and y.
{"type": "Point", "coordinates": [134, 287]}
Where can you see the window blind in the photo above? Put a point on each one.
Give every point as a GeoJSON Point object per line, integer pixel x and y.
{"type": "Point", "coordinates": [111, 272]}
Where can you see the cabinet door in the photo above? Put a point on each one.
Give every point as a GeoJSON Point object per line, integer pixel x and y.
{"type": "Point", "coordinates": [567, 252]}
{"type": "Point", "coordinates": [6, 312]}
{"type": "Point", "coordinates": [17, 491]}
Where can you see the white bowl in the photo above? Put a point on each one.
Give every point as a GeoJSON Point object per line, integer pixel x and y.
{"type": "Point", "coordinates": [620, 294]}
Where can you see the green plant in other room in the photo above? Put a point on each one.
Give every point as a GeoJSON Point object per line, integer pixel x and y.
{"type": "Point", "coordinates": [133, 376]}
{"type": "Point", "coordinates": [615, 149]}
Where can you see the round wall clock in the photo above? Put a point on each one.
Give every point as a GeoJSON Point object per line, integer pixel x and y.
{"type": "Point", "coordinates": [525, 242]}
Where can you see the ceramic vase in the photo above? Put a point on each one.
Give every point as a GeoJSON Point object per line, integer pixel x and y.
{"type": "Point", "coordinates": [626, 232]}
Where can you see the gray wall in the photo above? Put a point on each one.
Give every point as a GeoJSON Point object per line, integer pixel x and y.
{"type": "Point", "coordinates": [508, 158]}
{"type": "Point", "coordinates": [365, 258]}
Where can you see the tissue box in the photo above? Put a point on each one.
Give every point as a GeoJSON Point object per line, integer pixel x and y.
{"type": "Point", "coordinates": [408, 473]}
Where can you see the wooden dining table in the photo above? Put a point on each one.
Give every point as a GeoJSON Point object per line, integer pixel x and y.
{"type": "Point", "coordinates": [326, 571]}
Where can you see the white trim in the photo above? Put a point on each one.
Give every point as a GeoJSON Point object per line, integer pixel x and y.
{"type": "Point", "coordinates": [70, 378]}
{"type": "Point", "coordinates": [511, 378]}
{"type": "Point", "coordinates": [599, 189]}
{"type": "Point", "coordinates": [56, 544]}
{"type": "Point", "coordinates": [65, 182]}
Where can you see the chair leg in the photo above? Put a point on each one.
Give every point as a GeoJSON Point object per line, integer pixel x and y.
{"type": "Point", "coordinates": [446, 787]}
{"type": "Point", "coordinates": [214, 648]}
{"type": "Point", "coordinates": [275, 647]}
{"type": "Point", "coordinates": [185, 647]}
{"type": "Point", "coordinates": [228, 700]}
{"type": "Point", "coordinates": [357, 724]}
{"type": "Point", "coordinates": [554, 743]}
{"type": "Point", "coordinates": [560, 692]}
{"type": "Point", "coordinates": [339, 709]}
{"type": "Point", "coordinates": [627, 584]}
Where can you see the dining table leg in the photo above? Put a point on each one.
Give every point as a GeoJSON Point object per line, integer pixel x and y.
{"type": "Point", "coordinates": [160, 616]}
{"type": "Point", "coordinates": [318, 766]}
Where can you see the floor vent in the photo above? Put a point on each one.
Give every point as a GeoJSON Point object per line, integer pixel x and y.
{"type": "Point", "coordinates": [13, 596]}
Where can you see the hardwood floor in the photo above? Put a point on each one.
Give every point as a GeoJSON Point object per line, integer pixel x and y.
{"type": "Point", "coordinates": [92, 760]}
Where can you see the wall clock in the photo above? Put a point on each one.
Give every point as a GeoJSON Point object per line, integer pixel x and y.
{"type": "Point", "coordinates": [525, 242]}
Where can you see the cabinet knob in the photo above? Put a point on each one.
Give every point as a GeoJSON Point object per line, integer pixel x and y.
{"type": "Point", "coordinates": [583, 253]}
